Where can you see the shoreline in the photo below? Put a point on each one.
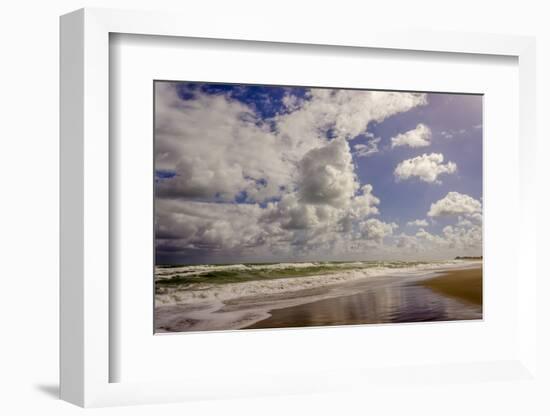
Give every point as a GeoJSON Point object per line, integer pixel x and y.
{"type": "Point", "coordinates": [237, 290]}
{"type": "Point", "coordinates": [396, 297]}
{"type": "Point", "coordinates": [355, 310]}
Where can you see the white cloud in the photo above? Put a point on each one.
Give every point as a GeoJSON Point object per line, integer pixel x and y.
{"type": "Point", "coordinates": [185, 226]}
{"type": "Point", "coordinates": [418, 137]}
{"type": "Point", "coordinates": [418, 223]}
{"type": "Point", "coordinates": [426, 167]}
{"type": "Point", "coordinates": [346, 113]}
{"type": "Point", "coordinates": [376, 230]}
{"type": "Point", "coordinates": [453, 239]}
{"type": "Point", "coordinates": [476, 218]}
{"type": "Point", "coordinates": [364, 203]}
{"type": "Point", "coordinates": [463, 222]}
{"type": "Point", "coordinates": [463, 237]}
{"type": "Point", "coordinates": [368, 148]}
{"type": "Point", "coordinates": [217, 148]}
{"type": "Point", "coordinates": [326, 175]}
{"type": "Point", "coordinates": [311, 199]}
{"type": "Point", "coordinates": [429, 237]}
{"type": "Point", "coordinates": [292, 102]}
{"type": "Point", "coordinates": [406, 242]}
{"type": "Point", "coordinates": [220, 149]}
{"type": "Point", "coordinates": [289, 227]}
{"type": "Point", "coordinates": [455, 204]}
{"type": "Point", "coordinates": [292, 213]}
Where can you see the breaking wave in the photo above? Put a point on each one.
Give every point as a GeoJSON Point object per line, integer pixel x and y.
{"type": "Point", "coordinates": [200, 284]}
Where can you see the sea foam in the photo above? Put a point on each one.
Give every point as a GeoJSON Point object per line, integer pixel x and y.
{"type": "Point", "coordinates": [205, 292]}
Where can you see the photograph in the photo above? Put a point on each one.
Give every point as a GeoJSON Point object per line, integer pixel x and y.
{"type": "Point", "coordinates": [280, 206]}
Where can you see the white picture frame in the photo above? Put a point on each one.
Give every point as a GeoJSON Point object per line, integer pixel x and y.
{"type": "Point", "coordinates": [85, 220]}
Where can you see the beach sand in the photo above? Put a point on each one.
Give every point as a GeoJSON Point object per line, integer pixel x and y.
{"type": "Point", "coordinates": [461, 284]}
{"type": "Point", "coordinates": [451, 295]}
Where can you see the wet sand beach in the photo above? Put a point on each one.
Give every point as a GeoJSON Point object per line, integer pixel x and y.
{"type": "Point", "coordinates": [461, 284]}
{"type": "Point", "coordinates": [451, 295]}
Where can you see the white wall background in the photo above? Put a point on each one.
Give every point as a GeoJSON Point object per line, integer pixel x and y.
{"type": "Point", "coordinates": [29, 206]}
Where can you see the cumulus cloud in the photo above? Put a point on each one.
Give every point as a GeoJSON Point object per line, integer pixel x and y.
{"type": "Point", "coordinates": [346, 113]}
{"type": "Point", "coordinates": [291, 213]}
{"type": "Point", "coordinates": [293, 173]}
{"type": "Point", "coordinates": [326, 175]}
{"type": "Point", "coordinates": [419, 137]}
{"type": "Point", "coordinates": [418, 223]}
{"type": "Point", "coordinates": [463, 237]}
{"type": "Point", "coordinates": [237, 184]}
{"type": "Point", "coordinates": [364, 203]}
{"type": "Point", "coordinates": [217, 148]}
{"type": "Point", "coordinates": [476, 218]}
{"type": "Point", "coordinates": [464, 222]}
{"type": "Point", "coordinates": [425, 167]}
{"type": "Point", "coordinates": [454, 204]}
{"type": "Point", "coordinates": [407, 242]}
{"type": "Point", "coordinates": [288, 227]}
{"type": "Point", "coordinates": [429, 237]}
{"type": "Point", "coordinates": [291, 102]}
{"type": "Point", "coordinates": [376, 230]}
{"type": "Point", "coordinates": [187, 227]}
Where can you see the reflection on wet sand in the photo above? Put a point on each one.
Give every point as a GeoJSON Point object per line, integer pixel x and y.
{"type": "Point", "coordinates": [398, 302]}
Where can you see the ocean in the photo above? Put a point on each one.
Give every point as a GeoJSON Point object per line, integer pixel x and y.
{"type": "Point", "coordinates": [236, 296]}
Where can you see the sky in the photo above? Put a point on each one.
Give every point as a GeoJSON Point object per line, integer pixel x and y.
{"type": "Point", "coordinates": [247, 173]}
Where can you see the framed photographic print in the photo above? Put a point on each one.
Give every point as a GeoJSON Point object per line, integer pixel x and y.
{"type": "Point", "coordinates": [269, 213]}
